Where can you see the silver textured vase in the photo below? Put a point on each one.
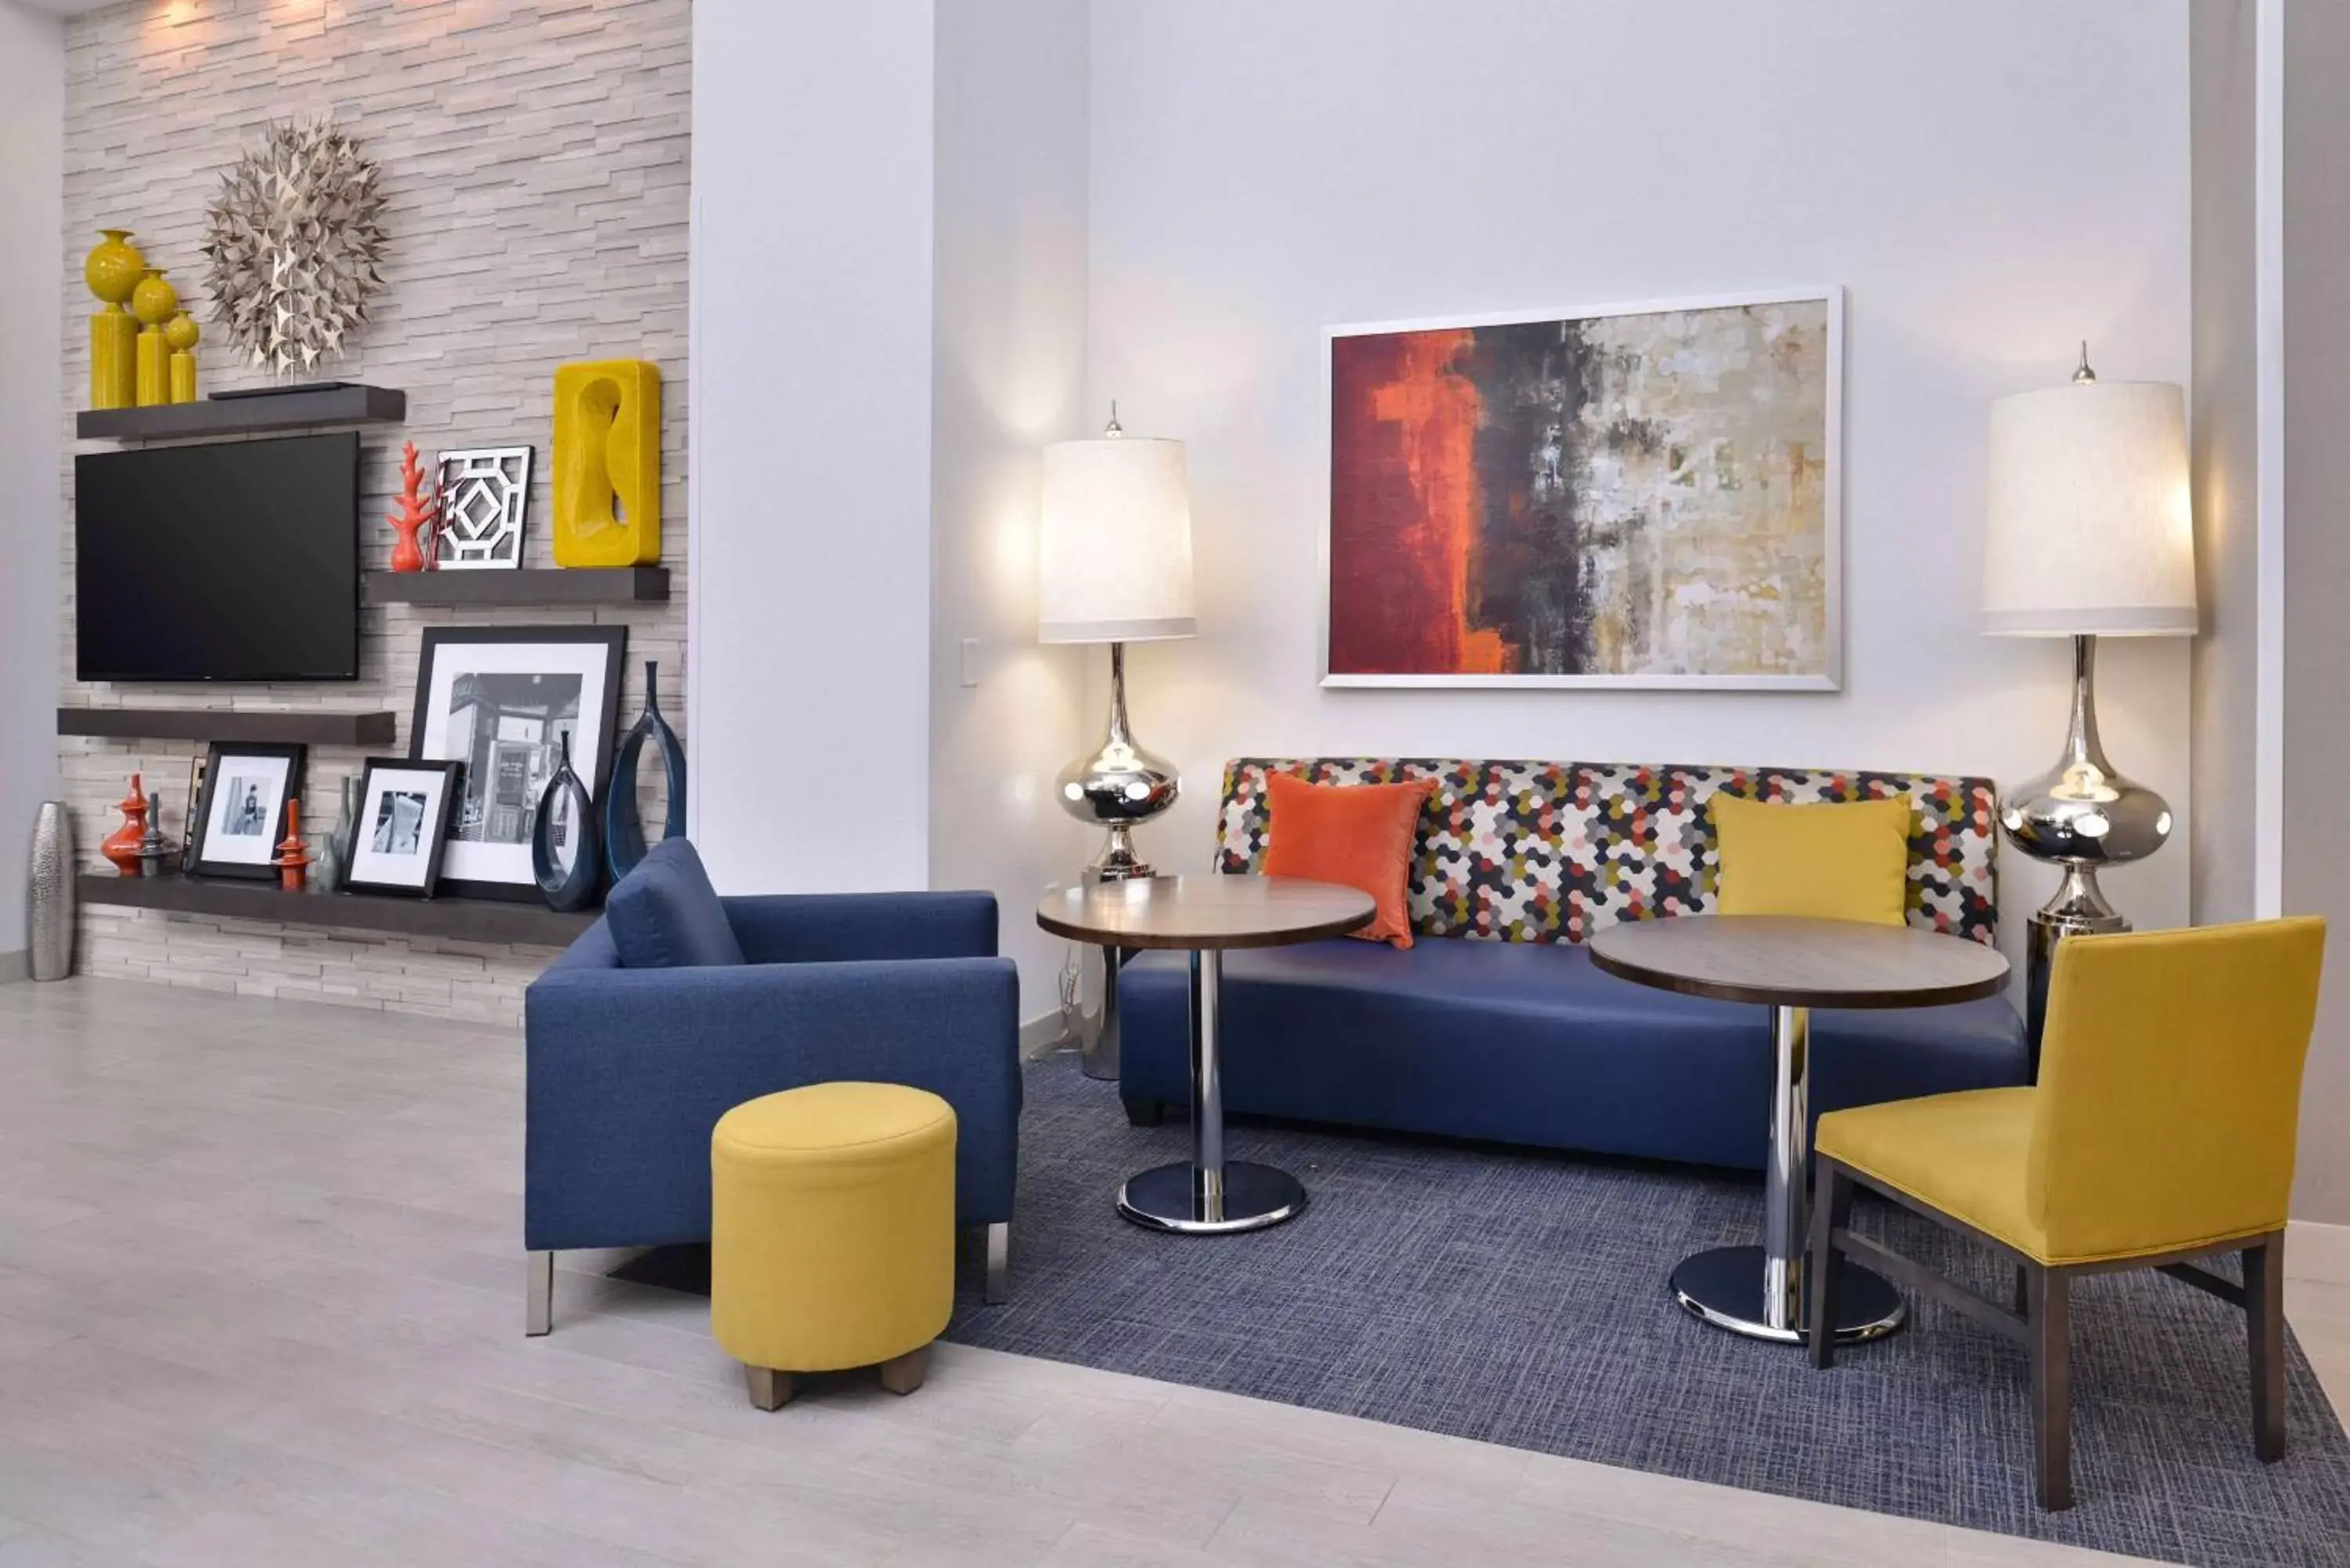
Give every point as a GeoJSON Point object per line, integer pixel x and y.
{"type": "Point", "coordinates": [52, 901]}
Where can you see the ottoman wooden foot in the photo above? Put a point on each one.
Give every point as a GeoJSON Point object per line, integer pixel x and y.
{"type": "Point", "coordinates": [771, 1389]}
{"type": "Point", "coordinates": [905, 1374]}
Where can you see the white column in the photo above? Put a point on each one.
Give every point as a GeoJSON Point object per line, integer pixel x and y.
{"type": "Point", "coordinates": [810, 457]}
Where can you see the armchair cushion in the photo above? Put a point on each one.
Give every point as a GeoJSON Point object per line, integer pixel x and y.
{"type": "Point", "coordinates": [666, 915]}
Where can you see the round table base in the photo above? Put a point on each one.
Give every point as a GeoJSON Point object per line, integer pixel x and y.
{"type": "Point", "coordinates": [1169, 1197]}
{"type": "Point", "coordinates": [1724, 1288]}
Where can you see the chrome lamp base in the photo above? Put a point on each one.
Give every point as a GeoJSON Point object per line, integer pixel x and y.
{"type": "Point", "coordinates": [2078, 909]}
{"type": "Point", "coordinates": [1120, 786]}
{"type": "Point", "coordinates": [2079, 816]}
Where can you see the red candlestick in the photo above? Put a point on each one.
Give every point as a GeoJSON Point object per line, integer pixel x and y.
{"type": "Point", "coordinates": [293, 861]}
{"type": "Point", "coordinates": [121, 845]}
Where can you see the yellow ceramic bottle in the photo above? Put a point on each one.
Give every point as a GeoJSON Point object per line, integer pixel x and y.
{"type": "Point", "coordinates": [179, 334]}
{"type": "Point", "coordinates": [608, 437]}
{"type": "Point", "coordinates": [112, 270]}
{"type": "Point", "coordinates": [153, 302]}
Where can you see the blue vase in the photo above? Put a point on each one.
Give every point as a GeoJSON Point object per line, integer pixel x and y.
{"type": "Point", "coordinates": [624, 834]}
{"type": "Point", "coordinates": [571, 887]}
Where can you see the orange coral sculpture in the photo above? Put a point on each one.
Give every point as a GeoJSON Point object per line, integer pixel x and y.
{"type": "Point", "coordinates": [419, 511]}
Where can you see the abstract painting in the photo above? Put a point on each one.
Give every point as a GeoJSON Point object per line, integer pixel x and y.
{"type": "Point", "coordinates": [1641, 496]}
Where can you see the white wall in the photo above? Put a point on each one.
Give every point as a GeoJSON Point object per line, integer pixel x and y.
{"type": "Point", "coordinates": [2316, 600]}
{"type": "Point", "coordinates": [32, 261]}
{"type": "Point", "coordinates": [2227, 457]}
{"type": "Point", "coordinates": [810, 462]}
{"type": "Point", "coordinates": [1990, 183]}
{"type": "Point", "coordinates": [1008, 370]}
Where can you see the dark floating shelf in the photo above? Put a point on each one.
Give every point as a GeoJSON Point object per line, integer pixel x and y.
{"type": "Point", "coordinates": [231, 724]}
{"type": "Point", "coordinates": [524, 586]}
{"type": "Point", "coordinates": [244, 416]}
{"type": "Point", "coordinates": [458, 919]}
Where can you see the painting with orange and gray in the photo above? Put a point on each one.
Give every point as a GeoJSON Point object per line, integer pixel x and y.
{"type": "Point", "coordinates": [1642, 495]}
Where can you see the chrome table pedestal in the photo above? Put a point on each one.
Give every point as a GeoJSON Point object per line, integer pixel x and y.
{"type": "Point", "coordinates": [1209, 1195]}
{"type": "Point", "coordinates": [1759, 1291]}
{"type": "Point", "coordinates": [1791, 964]}
{"type": "Point", "coordinates": [1202, 917]}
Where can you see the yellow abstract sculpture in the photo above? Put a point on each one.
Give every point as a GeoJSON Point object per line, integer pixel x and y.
{"type": "Point", "coordinates": [179, 334]}
{"type": "Point", "coordinates": [112, 270]}
{"type": "Point", "coordinates": [608, 463]}
{"type": "Point", "coordinates": [154, 302]}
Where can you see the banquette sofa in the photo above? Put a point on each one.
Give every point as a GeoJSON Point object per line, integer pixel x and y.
{"type": "Point", "coordinates": [1495, 1024]}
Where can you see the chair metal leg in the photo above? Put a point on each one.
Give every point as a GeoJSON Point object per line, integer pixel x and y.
{"type": "Point", "coordinates": [770, 1389]}
{"type": "Point", "coordinates": [2265, 1320]}
{"type": "Point", "coordinates": [2049, 1312]}
{"type": "Point", "coordinates": [997, 1287]}
{"type": "Point", "coordinates": [904, 1374]}
{"type": "Point", "coordinates": [538, 1292]}
{"type": "Point", "coordinates": [1823, 1277]}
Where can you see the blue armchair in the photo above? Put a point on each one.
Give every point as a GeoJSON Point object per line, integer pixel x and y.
{"type": "Point", "coordinates": [629, 1068]}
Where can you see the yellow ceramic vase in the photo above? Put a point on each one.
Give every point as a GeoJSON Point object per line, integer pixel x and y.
{"type": "Point", "coordinates": [153, 302]}
{"type": "Point", "coordinates": [111, 271]}
{"type": "Point", "coordinates": [608, 463]}
{"type": "Point", "coordinates": [179, 334]}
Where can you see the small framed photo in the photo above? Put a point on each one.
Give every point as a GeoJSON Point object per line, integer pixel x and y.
{"type": "Point", "coordinates": [402, 826]}
{"type": "Point", "coordinates": [241, 819]}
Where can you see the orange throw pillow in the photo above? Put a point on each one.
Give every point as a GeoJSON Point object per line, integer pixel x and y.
{"type": "Point", "coordinates": [1358, 834]}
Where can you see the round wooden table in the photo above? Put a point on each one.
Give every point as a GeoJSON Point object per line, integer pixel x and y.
{"type": "Point", "coordinates": [1791, 966]}
{"type": "Point", "coordinates": [1205, 915]}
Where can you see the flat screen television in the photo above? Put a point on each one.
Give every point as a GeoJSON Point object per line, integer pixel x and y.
{"type": "Point", "coordinates": [235, 561]}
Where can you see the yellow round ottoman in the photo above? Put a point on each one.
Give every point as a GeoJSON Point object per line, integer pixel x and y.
{"type": "Point", "coordinates": [832, 1214]}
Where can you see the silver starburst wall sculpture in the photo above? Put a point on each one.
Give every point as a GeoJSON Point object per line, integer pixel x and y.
{"type": "Point", "coordinates": [294, 241]}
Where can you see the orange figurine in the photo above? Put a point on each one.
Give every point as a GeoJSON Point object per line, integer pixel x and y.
{"type": "Point", "coordinates": [121, 845]}
{"type": "Point", "coordinates": [293, 861]}
{"type": "Point", "coordinates": [418, 511]}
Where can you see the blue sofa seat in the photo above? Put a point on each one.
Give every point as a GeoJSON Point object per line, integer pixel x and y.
{"type": "Point", "coordinates": [1528, 1042]}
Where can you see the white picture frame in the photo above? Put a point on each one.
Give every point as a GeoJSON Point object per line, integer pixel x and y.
{"type": "Point", "coordinates": [1828, 678]}
{"type": "Point", "coordinates": [401, 831]}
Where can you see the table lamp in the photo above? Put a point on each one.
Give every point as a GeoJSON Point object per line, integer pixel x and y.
{"type": "Point", "coordinates": [2091, 534]}
{"type": "Point", "coordinates": [1114, 565]}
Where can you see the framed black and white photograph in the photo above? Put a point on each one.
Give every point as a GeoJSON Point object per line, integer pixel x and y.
{"type": "Point", "coordinates": [241, 819]}
{"type": "Point", "coordinates": [502, 700]}
{"type": "Point", "coordinates": [402, 827]}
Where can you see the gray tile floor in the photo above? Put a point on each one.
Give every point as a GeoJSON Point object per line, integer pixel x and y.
{"type": "Point", "coordinates": [260, 1304]}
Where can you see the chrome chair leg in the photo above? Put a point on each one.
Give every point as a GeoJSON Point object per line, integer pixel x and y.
{"type": "Point", "coordinates": [998, 1286]}
{"type": "Point", "coordinates": [539, 1312]}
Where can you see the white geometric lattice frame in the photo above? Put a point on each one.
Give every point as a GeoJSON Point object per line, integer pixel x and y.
{"type": "Point", "coordinates": [484, 497]}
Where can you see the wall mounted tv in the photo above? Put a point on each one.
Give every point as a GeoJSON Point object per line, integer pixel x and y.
{"type": "Point", "coordinates": [234, 561]}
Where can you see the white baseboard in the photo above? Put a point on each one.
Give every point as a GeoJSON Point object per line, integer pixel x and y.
{"type": "Point", "coordinates": [16, 965]}
{"type": "Point", "coordinates": [1042, 1035]}
{"type": "Point", "coordinates": [2317, 1251]}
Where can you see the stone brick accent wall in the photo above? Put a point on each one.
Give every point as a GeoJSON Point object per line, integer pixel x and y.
{"type": "Point", "coordinates": [536, 162]}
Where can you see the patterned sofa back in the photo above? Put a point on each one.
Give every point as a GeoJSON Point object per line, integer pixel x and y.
{"type": "Point", "coordinates": [1551, 852]}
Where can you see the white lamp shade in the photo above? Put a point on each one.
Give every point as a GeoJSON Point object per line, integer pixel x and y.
{"type": "Point", "coordinates": [2092, 521]}
{"type": "Point", "coordinates": [1114, 551]}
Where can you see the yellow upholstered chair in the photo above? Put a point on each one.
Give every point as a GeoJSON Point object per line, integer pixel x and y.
{"type": "Point", "coordinates": [832, 1228]}
{"type": "Point", "coordinates": [2161, 1131]}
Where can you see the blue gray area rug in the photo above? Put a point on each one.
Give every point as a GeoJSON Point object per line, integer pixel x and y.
{"type": "Point", "coordinates": [1519, 1298]}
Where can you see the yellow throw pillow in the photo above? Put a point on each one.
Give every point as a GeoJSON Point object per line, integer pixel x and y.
{"type": "Point", "coordinates": [1831, 862]}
